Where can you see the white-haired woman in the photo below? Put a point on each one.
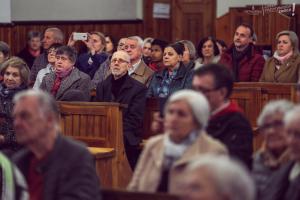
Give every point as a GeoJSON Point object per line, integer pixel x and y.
{"type": "Point", "coordinates": [284, 66]}
{"type": "Point", "coordinates": [165, 156]}
{"type": "Point", "coordinates": [274, 150]}
{"type": "Point", "coordinates": [216, 177]}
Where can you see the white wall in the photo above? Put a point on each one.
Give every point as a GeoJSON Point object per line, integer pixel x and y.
{"type": "Point", "coordinates": [5, 11]}
{"type": "Point", "coordinates": [224, 5]}
{"type": "Point", "coordinates": [75, 10]}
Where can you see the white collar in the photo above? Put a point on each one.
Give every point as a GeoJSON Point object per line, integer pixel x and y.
{"type": "Point", "coordinates": [134, 67]}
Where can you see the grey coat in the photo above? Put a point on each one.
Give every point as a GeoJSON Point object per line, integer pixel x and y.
{"type": "Point", "coordinates": [77, 80]}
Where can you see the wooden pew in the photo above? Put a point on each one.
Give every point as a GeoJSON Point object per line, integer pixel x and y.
{"type": "Point", "coordinates": [99, 125]}
{"type": "Point", "coordinates": [108, 194]}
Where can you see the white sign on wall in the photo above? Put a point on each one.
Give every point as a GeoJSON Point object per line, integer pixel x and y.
{"type": "Point", "coordinates": [161, 10]}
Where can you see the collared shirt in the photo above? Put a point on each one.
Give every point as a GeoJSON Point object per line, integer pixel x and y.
{"type": "Point", "coordinates": [134, 67]}
{"type": "Point", "coordinates": [220, 108]}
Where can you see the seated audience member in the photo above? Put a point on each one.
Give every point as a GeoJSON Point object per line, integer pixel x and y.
{"type": "Point", "coordinates": [227, 122]}
{"type": "Point", "coordinates": [90, 62]}
{"type": "Point", "coordinates": [189, 54]}
{"type": "Point", "coordinates": [51, 36]}
{"type": "Point", "coordinates": [284, 183]}
{"type": "Point", "coordinates": [15, 74]}
{"type": "Point", "coordinates": [164, 157]}
{"type": "Point", "coordinates": [120, 87]}
{"type": "Point", "coordinates": [55, 167]}
{"type": "Point", "coordinates": [208, 52]}
{"type": "Point", "coordinates": [221, 45]}
{"type": "Point", "coordinates": [138, 69]}
{"type": "Point", "coordinates": [33, 48]}
{"type": "Point", "coordinates": [13, 185]}
{"type": "Point", "coordinates": [4, 52]}
{"type": "Point", "coordinates": [66, 76]}
{"type": "Point", "coordinates": [147, 50]}
{"type": "Point", "coordinates": [110, 45]}
{"type": "Point", "coordinates": [274, 151]}
{"type": "Point", "coordinates": [157, 52]}
{"type": "Point", "coordinates": [51, 53]}
{"type": "Point", "coordinates": [104, 69]}
{"type": "Point", "coordinates": [284, 66]}
{"type": "Point", "coordinates": [212, 177]}
{"type": "Point", "coordinates": [174, 77]}
{"type": "Point", "coordinates": [242, 58]}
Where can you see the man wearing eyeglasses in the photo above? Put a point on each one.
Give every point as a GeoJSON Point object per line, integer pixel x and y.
{"type": "Point", "coordinates": [227, 122]}
{"type": "Point", "coordinates": [285, 183]}
{"type": "Point", "coordinates": [120, 87]}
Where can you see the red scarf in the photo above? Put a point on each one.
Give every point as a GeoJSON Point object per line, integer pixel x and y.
{"type": "Point", "coordinates": [58, 79]}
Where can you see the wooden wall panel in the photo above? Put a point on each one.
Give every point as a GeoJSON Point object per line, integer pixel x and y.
{"type": "Point", "coordinates": [190, 19]}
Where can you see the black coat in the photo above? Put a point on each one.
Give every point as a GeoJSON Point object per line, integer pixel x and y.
{"type": "Point", "coordinates": [233, 130]}
{"type": "Point", "coordinates": [280, 188]}
{"type": "Point", "coordinates": [132, 93]}
{"type": "Point", "coordinates": [6, 126]}
{"type": "Point", "coordinates": [68, 171]}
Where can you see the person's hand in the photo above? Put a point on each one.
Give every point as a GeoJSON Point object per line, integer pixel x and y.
{"type": "Point", "coordinates": [157, 125]}
{"type": "Point", "coordinates": [71, 41]}
{"type": "Point", "coordinates": [2, 139]}
{"type": "Point", "coordinates": [90, 46]}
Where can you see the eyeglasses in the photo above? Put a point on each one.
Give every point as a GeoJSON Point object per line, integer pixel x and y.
{"type": "Point", "coordinates": [203, 90]}
{"type": "Point", "coordinates": [120, 61]}
{"type": "Point", "coordinates": [63, 58]}
{"type": "Point", "coordinates": [275, 124]}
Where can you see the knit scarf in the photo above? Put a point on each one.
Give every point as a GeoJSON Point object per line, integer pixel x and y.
{"type": "Point", "coordinates": [280, 60]}
{"type": "Point", "coordinates": [60, 75]}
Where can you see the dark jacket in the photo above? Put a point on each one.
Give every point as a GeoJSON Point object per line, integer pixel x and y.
{"type": "Point", "coordinates": [182, 80]}
{"type": "Point", "coordinates": [6, 128]}
{"type": "Point", "coordinates": [232, 128]}
{"type": "Point", "coordinates": [280, 188]}
{"type": "Point", "coordinates": [250, 66]}
{"type": "Point", "coordinates": [27, 56]}
{"type": "Point", "coordinates": [132, 93]}
{"type": "Point", "coordinates": [90, 68]}
{"type": "Point", "coordinates": [77, 80]}
{"type": "Point", "coordinates": [39, 63]}
{"type": "Point", "coordinates": [68, 171]}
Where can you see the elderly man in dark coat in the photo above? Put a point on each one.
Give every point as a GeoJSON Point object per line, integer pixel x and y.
{"type": "Point", "coordinates": [120, 87]}
{"type": "Point", "coordinates": [55, 167]}
{"type": "Point", "coordinates": [66, 77]}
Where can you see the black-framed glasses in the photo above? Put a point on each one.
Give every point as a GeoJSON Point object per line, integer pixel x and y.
{"type": "Point", "coordinates": [203, 89]}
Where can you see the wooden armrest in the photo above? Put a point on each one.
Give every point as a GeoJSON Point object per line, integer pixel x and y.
{"type": "Point", "coordinates": [100, 152]}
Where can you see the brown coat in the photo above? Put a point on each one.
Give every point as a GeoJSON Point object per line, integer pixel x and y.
{"type": "Point", "coordinates": [288, 73]}
{"type": "Point", "coordinates": [143, 73]}
{"type": "Point", "coordinates": [147, 174]}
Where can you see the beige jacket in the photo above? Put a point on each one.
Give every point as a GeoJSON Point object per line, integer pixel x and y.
{"type": "Point", "coordinates": [146, 176]}
{"type": "Point", "coordinates": [143, 74]}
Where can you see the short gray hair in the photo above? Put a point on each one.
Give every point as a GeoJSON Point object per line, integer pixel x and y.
{"type": "Point", "coordinates": [58, 34]}
{"type": "Point", "coordinates": [46, 102]}
{"type": "Point", "coordinates": [197, 102]}
{"type": "Point", "coordinates": [293, 37]}
{"type": "Point", "coordinates": [229, 176]}
{"type": "Point", "coordinates": [148, 40]}
{"type": "Point", "coordinates": [4, 48]}
{"type": "Point", "coordinates": [292, 115]}
{"type": "Point", "coordinates": [139, 40]}
{"type": "Point", "coordinates": [191, 47]}
{"type": "Point", "coordinates": [282, 106]}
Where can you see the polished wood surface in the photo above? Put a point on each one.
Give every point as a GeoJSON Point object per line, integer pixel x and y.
{"type": "Point", "coordinates": [99, 124]}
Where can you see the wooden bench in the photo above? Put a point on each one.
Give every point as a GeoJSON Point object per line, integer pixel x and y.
{"type": "Point", "coordinates": [109, 194]}
{"type": "Point", "coordinates": [99, 125]}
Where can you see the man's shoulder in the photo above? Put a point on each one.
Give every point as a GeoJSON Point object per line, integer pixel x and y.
{"type": "Point", "coordinates": [136, 84]}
